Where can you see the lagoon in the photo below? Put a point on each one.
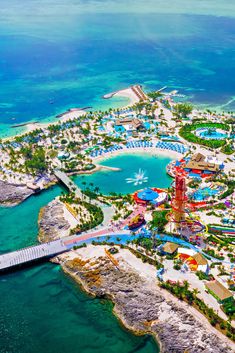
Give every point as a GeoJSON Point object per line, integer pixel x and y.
{"type": "Point", "coordinates": [154, 167]}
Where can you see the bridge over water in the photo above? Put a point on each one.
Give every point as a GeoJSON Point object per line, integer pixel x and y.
{"type": "Point", "coordinates": [69, 183]}
{"type": "Point", "coordinates": [48, 250]}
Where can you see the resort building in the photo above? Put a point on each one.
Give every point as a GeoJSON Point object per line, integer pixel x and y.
{"type": "Point", "coordinates": [130, 124]}
{"type": "Point", "coordinates": [219, 292]}
{"type": "Point", "coordinates": [195, 261]}
{"type": "Point", "coordinates": [169, 248]}
{"type": "Point", "coordinates": [198, 162]}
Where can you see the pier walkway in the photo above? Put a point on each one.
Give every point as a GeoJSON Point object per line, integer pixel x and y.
{"type": "Point", "coordinates": [50, 249]}
{"type": "Point", "coordinates": [32, 253]}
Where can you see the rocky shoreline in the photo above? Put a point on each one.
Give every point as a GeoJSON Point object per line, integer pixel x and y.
{"type": "Point", "coordinates": [13, 194]}
{"type": "Point", "coordinates": [142, 306]}
{"type": "Point", "coordinates": [52, 223]}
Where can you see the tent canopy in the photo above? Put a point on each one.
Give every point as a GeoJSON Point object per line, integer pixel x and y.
{"type": "Point", "coordinates": [147, 194]}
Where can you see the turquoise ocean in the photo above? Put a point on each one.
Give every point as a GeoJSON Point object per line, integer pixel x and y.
{"type": "Point", "coordinates": [56, 55]}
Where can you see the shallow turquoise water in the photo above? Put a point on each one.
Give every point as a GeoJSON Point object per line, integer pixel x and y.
{"type": "Point", "coordinates": [115, 181]}
{"type": "Point", "coordinates": [42, 310]}
{"type": "Point", "coordinates": [54, 62]}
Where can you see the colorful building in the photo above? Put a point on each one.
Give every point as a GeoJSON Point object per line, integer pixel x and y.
{"type": "Point", "coordinates": [152, 196]}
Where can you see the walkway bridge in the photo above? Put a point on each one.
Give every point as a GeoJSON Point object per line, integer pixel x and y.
{"type": "Point", "coordinates": [48, 250]}
{"type": "Point", "coordinates": [69, 183]}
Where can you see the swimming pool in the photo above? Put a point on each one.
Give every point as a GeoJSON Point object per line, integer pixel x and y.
{"type": "Point", "coordinates": [205, 193]}
{"type": "Point", "coordinates": [211, 133]}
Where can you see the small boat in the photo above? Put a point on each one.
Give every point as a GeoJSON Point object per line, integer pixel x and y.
{"type": "Point", "coordinates": [136, 222]}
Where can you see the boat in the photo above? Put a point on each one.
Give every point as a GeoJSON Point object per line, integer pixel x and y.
{"type": "Point", "coordinates": [136, 222]}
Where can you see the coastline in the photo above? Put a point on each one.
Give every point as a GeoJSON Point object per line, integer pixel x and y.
{"type": "Point", "coordinates": [94, 273]}
{"type": "Point", "coordinates": [69, 114]}
{"type": "Point", "coordinates": [155, 152]}
{"type": "Point", "coordinates": [126, 93]}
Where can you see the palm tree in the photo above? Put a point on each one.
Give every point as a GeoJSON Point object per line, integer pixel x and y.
{"type": "Point", "coordinates": [195, 292]}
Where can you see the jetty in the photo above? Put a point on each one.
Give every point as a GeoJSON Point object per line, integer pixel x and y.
{"type": "Point", "coordinates": [24, 124]}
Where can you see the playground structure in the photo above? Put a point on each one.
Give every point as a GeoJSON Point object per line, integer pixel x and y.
{"type": "Point", "coordinates": [180, 217]}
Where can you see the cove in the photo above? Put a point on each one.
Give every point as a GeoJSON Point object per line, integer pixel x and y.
{"type": "Point", "coordinates": [108, 181]}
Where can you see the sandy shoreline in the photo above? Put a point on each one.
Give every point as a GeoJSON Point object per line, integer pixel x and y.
{"type": "Point", "coordinates": [73, 114]}
{"type": "Point", "coordinates": [139, 150]}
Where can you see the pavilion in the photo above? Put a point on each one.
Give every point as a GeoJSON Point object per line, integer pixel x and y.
{"type": "Point", "coordinates": [152, 196]}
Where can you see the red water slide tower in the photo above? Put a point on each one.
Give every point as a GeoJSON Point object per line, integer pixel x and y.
{"type": "Point", "coordinates": [179, 201]}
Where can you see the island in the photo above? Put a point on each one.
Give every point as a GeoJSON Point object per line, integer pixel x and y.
{"type": "Point", "coordinates": [163, 255]}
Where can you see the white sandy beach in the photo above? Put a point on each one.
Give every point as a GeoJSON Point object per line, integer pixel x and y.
{"type": "Point", "coordinates": [139, 150]}
{"type": "Point", "coordinates": [128, 93]}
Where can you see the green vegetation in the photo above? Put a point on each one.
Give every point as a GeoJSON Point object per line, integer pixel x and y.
{"type": "Point", "coordinates": [154, 95]}
{"type": "Point", "coordinates": [227, 149]}
{"type": "Point", "coordinates": [159, 220]}
{"type": "Point", "coordinates": [230, 188]}
{"type": "Point", "coordinates": [187, 132]}
{"type": "Point", "coordinates": [96, 214]}
{"type": "Point", "coordinates": [182, 110]}
{"type": "Point", "coordinates": [83, 245]}
{"type": "Point", "coordinates": [182, 292]}
{"type": "Point", "coordinates": [229, 308]}
{"type": "Point", "coordinates": [212, 253]}
{"type": "Point", "coordinates": [203, 276]}
{"type": "Point", "coordinates": [35, 161]}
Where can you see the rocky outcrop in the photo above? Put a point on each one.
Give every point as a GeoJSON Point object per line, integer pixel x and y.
{"type": "Point", "coordinates": [52, 223]}
{"type": "Point", "coordinates": [145, 308]}
{"type": "Point", "coordinates": [13, 194]}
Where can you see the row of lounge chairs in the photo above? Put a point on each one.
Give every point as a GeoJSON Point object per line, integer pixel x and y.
{"type": "Point", "coordinates": [102, 151]}
{"type": "Point", "coordinates": [134, 144]}
{"type": "Point", "coordinates": [177, 147]}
